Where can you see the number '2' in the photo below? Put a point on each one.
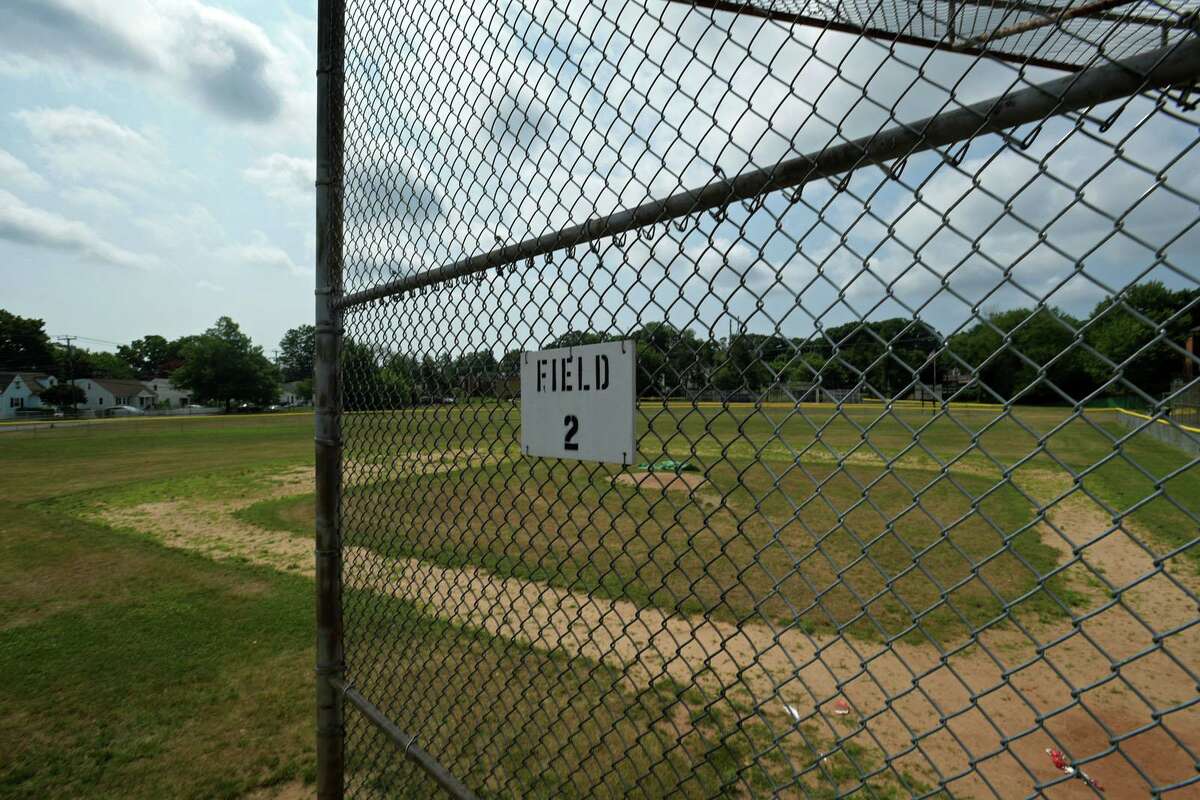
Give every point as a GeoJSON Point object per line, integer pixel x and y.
{"type": "Point", "coordinates": [572, 423]}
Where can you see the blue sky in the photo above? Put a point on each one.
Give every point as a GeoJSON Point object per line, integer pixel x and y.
{"type": "Point", "coordinates": [156, 170]}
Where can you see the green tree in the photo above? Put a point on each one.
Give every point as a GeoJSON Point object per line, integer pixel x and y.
{"type": "Point", "coordinates": [63, 395]}
{"type": "Point", "coordinates": [1117, 333]}
{"type": "Point", "coordinates": [576, 339]}
{"type": "Point", "coordinates": [510, 364]}
{"type": "Point", "coordinates": [101, 364]}
{"type": "Point", "coordinates": [24, 344]}
{"type": "Point", "coordinates": [888, 355]}
{"type": "Point", "coordinates": [672, 360]}
{"type": "Point", "coordinates": [474, 373]}
{"type": "Point", "coordinates": [1010, 350]}
{"type": "Point", "coordinates": [743, 369]}
{"type": "Point", "coordinates": [362, 388]}
{"type": "Point", "coordinates": [297, 350]}
{"type": "Point", "coordinates": [152, 356]}
{"type": "Point", "coordinates": [223, 365]}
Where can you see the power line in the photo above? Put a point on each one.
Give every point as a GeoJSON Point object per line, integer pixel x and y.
{"type": "Point", "coordinates": [70, 369]}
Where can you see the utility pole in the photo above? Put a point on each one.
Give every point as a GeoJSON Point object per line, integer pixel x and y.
{"type": "Point", "coordinates": [71, 370]}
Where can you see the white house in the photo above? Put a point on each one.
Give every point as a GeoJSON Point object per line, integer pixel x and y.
{"type": "Point", "coordinates": [22, 390]}
{"type": "Point", "coordinates": [169, 395]}
{"type": "Point", "coordinates": [104, 393]}
{"type": "Point", "coordinates": [290, 394]}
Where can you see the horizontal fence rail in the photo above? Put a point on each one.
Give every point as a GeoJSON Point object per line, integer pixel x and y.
{"type": "Point", "coordinates": [1159, 68]}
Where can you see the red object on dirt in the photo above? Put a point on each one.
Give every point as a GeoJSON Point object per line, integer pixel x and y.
{"type": "Point", "coordinates": [1060, 761]}
{"type": "Point", "coordinates": [841, 708]}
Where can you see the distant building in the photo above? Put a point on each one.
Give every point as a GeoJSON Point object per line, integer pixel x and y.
{"type": "Point", "coordinates": [21, 391]}
{"type": "Point", "coordinates": [168, 394]}
{"type": "Point", "coordinates": [290, 394]}
{"type": "Point", "coordinates": [105, 393]}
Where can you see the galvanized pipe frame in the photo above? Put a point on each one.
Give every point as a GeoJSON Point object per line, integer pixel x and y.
{"type": "Point", "coordinates": [1155, 69]}
{"type": "Point", "coordinates": [951, 43]}
{"type": "Point", "coordinates": [407, 742]}
{"type": "Point", "coordinates": [330, 660]}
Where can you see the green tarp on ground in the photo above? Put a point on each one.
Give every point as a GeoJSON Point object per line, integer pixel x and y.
{"type": "Point", "coordinates": [669, 465]}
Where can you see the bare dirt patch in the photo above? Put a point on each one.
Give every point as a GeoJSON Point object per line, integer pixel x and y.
{"type": "Point", "coordinates": [663, 481]}
{"type": "Point", "coordinates": [425, 462]}
{"type": "Point", "coordinates": [210, 527]}
{"type": "Point", "coordinates": [1003, 699]}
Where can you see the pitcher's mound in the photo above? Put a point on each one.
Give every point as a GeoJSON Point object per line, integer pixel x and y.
{"type": "Point", "coordinates": [663, 481]}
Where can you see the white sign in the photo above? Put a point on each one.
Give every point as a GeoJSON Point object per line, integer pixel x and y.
{"type": "Point", "coordinates": [578, 402]}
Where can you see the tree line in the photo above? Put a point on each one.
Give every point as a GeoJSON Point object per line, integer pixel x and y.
{"type": "Point", "coordinates": [1031, 355]}
{"type": "Point", "coordinates": [220, 365]}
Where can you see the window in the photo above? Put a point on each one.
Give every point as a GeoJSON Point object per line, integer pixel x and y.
{"type": "Point", "coordinates": [16, 402]}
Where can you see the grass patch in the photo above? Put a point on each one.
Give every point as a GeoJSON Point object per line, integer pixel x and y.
{"type": "Point", "coordinates": [292, 514]}
{"type": "Point", "coordinates": [145, 672]}
{"type": "Point", "coordinates": [138, 670]}
{"type": "Point", "coordinates": [751, 543]}
{"type": "Point", "coordinates": [141, 668]}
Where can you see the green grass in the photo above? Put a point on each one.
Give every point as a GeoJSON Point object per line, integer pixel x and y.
{"type": "Point", "coordinates": [142, 672]}
{"type": "Point", "coordinates": [292, 514]}
{"type": "Point", "coordinates": [138, 671]}
{"type": "Point", "coordinates": [780, 531]}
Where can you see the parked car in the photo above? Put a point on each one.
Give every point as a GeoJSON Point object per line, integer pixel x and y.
{"type": "Point", "coordinates": [247, 408]}
{"type": "Point", "coordinates": [124, 411]}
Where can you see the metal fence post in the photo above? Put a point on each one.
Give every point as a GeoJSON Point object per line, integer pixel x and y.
{"type": "Point", "coordinates": [330, 665]}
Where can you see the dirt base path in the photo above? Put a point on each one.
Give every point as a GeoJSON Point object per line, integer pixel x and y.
{"type": "Point", "coordinates": [1000, 701]}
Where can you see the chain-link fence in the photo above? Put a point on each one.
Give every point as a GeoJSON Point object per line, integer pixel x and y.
{"type": "Point", "coordinates": [887, 277]}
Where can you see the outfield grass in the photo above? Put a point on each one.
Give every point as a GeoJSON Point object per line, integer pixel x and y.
{"type": "Point", "coordinates": [806, 517]}
{"type": "Point", "coordinates": [139, 671]}
{"type": "Point", "coordinates": [779, 530]}
{"type": "Point", "coordinates": [133, 670]}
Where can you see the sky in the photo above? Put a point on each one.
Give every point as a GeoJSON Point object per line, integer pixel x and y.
{"type": "Point", "coordinates": [156, 166]}
{"type": "Point", "coordinates": [156, 172]}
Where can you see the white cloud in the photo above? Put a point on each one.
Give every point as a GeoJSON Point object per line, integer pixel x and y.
{"type": "Point", "coordinates": [94, 199]}
{"type": "Point", "coordinates": [16, 173]}
{"type": "Point", "coordinates": [25, 224]}
{"type": "Point", "coordinates": [262, 253]}
{"type": "Point", "coordinates": [211, 287]}
{"type": "Point", "coordinates": [185, 232]}
{"type": "Point", "coordinates": [81, 144]}
{"type": "Point", "coordinates": [284, 177]}
{"type": "Point", "coordinates": [218, 59]}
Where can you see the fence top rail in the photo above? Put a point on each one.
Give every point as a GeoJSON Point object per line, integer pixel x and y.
{"type": "Point", "coordinates": [1164, 67]}
{"type": "Point", "coordinates": [1070, 34]}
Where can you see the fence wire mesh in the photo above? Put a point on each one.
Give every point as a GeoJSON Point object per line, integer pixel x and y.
{"type": "Point", "coordinates": [909, 326]}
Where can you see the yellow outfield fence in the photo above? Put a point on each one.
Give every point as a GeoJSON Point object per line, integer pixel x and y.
{"type": "Point", "coordinates": [1126, 412]}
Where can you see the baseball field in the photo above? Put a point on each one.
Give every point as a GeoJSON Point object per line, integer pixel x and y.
{"type": "Point", "coordinates": [1015, 576]}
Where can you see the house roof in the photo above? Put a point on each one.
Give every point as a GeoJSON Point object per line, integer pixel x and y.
{"type": "Point", "coordinates": [31, 380]}
{"type": "Point", "coordinates": [149, 383]}
{"type": "Point", "coordinates": [120, 387]}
